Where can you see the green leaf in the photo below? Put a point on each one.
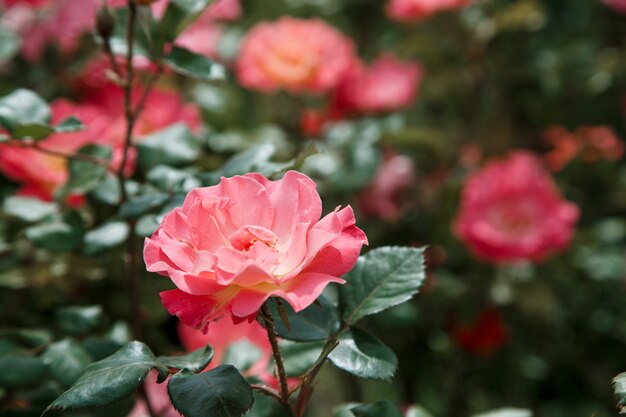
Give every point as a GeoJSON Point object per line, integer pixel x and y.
{"type": "Point", "coordinates": [300, 357]}
{"type": "Point", "coordinates": [109, 380]}
{"type": "Point", "coordinates": [179, 15]}
{"type": "Point", "coordinates": [382, 278]}
{"type": "Point", "coordinates": [141, 205]}
{"type": "Point", "coordinates": [363, 355]}
{"type": "Point", "coordinates": [311, 324]}
{"type": "Point", "coordinates": [23, 107]}
{"type": "Point", "coordinates": [169, 179]}
{"type": "Point", "coordinates": [507, 412]}
{"type": "Point", "coordinates": [242, 355]}
{"type": "Point", "coordinates": [101, 347]}
{"type": "Point", "coordinates": [57, 236]}
{"type": "Point", "coordinates": [106, 236]}
{"type": "Point", "coordinates": [194, 65]}
{"type": "Point", "coordinates": [378, 409]}
{"type": "Point", "coordinates": [256, 159]}
{"type": "Point", "coordinates": [66, 360]}
{"type": "Point", "coordinates": [619, 387]}
{"type": "Point", "coordinates": [85, 175]}
{"type": "Point", "coordinates": [343, 410]}
{"type": "Point", "coordinates": [20, 371]}
{"type": "Point", "coordinates": [78, 320]}
{"type": "Point", "coordinates": [220, 392]}
{"type": "Point", "coordinates": [28, 209]}
{"type": "Point", "coordinates": [9, 45]}
{"type": "Point", "coordinates": [27, 337]}
{"type": "Point", "coordinates": [195, 361]}
{"type": "Point", "coordinates": [36, 131]}
{"type": "Point", "coordinates": [71, 124]}
{"type": "Point", "coordinates": [175, 145]}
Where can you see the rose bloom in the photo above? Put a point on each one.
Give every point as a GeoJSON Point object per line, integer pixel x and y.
{"type": "Point", "coordinates": [510, 211]}
{"type": "Point", "coordinates": [416, 10]}
{"type": "Point", "coordinates": [387, 85]}
{"type": "Point", "coordinates": [296, 55]}
{"type": "Point", "coordinates": [30, 3]}
{"type": "Point", "coordinates": [482, 337]}
{"type": "Point", "coordinates": [383, 198]}
{"type": "Point", "coordinates": [617, 5]}
{"type": "Point", "coordinates": [232, 246]}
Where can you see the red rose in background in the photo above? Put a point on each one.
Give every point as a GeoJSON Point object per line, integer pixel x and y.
{"type": "Point", "coordinates": [416, 10]}
{"type": "Point", "coordinates": [387, 85]}
{"type": "Point", "coordinates": [511, 211]}
{"type": "Point", "coordinates": [296, 55]}
{"type": "Point", "coordinates": [484, 336]}
{"type": "Point", "coordinates": [617, 5]}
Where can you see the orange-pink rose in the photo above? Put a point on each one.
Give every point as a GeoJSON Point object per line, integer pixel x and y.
{"type": "Point", "coordinates": [296, 55]}
{"type": "Point", "coordinates": [416, 10]}
{"type": "Point", "coordinates": [232, 246]}
{"type": "Point", "coordinates": [511, 211]}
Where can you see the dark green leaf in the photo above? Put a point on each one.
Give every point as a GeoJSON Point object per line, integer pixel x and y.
{"type": "Point", "coordinates": [28, 209]}
{"type": "Point", "coordinates": [417, 411]}
{"type": "Point", "coordinates": [27, 337]}
{"type": "Point", "coordinates": [36, 131]}
{"type": "Point", "coordinates": [242, 355]}
{"type": "Point", "coordinates": [100, 347]}
{"type": "Point", "coordinates": [364, 356]}
{"type": "Point", "coordinates": [194, 65]}
{"type": "Point", "coordinates": [71, 124]}
{"type": "Point", "coordinates": [382, 278]}
{"type": "Point", "coordinates": [20, 371]}
{"type": "Point", "coordinates": [169, 179]}
{"type": "Point", "coordinates": [256, 159]}
{"type": "Point", "coordinates": [619, 387]}
{"type": "Point", "coordinates": [179, 15]}
{"type": "Point", "coordinates": [56, 236]}
{"type": "Point", "coordinates": [344, 410]}
{"type": "Point", "coordinates": [23, 107]}
{"type": "Point", "coordinates": [300, 357]}
{"type": "Point", "coordinates": [106, 236]}
{"type": "Point", "coordinates": [66, 360]}
{"type": "Point", "coordinates": [85, 175]}
{"type": "Point", "coordinates": [78, 320]}
{"type": "Point", "coordinates": [195, 361]}
{"type": "Point", "coordinates": [220, 392]}
{"type": "Point", "coordinates": [141, 205]}
{"type": "Point", "coordinates": [378, 409]}
{"type": "Point", "coordinates": [109, 380]}
{"type": "Point", "coordinates": [311, 324]}
{"type": "Point", "coordinates": [175, 145]}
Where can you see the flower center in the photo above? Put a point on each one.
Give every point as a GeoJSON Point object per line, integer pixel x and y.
{"type": "Point", "coordinates": [247, 236]}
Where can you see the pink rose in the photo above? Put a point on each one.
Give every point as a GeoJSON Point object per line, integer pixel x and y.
{"type": "Point", "coordinates": [232, 246]}
{"type": "Point", "coordinates": [510, 211]}
{"type": "Point", "coordinates": [30, 3]}
{"type": "Point", "coordinates": [296, 55]}
{"type": "Point", "coordinates": [383, 198]}
{"type": "Point", "coordinates": [416, 10]}
{"type": "Point", "coordinates": [617, 5]}
{"type": "Point", "coordinates": [388, 85]}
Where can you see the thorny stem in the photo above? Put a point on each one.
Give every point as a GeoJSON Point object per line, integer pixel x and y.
{"type": "Point", "coordinates": [278, 359]}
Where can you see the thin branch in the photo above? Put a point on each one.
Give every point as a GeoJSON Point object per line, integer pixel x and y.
{"type": "Point", "coordinates": [73, 156]}
{"type": "Point", "coordinates": [278, 359]}
{"type": "Point", "coordinates": [267, 391]}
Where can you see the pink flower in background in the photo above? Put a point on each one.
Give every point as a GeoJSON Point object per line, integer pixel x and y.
{"type": "Point", "coordinates": [30, 3]}
{"type": "Point", "coordinates": [383, 198]}
{"type": "Point", "coordinates": [232, 246]}
{"type": "Point", "coordinates": [511, 211]}
{"type": "Point", "coordinates": [387, 85]}
{"type": "Point", "coordinates": [484, 336]}
{"type": "Point", "coordinates": [617, 5]}
{"type": "Point", "coordinates": [296, 55]}
{"type": "Point", "coordinates": [416, 10]}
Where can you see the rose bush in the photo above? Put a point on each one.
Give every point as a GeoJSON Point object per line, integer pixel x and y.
{"type": "Point", "coordinates": [232, 246]}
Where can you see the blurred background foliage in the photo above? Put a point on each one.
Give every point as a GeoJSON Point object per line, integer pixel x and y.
{"type": "Point", "coordinates": [547, 337]}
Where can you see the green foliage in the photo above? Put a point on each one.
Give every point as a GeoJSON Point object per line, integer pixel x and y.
{"type": "Point", "coordinates": [106, 236]}
{"type": "Point", "coordinates": [28, 209]}
{"type": "Point", "coordinates": [220, 392]}
{"type": "Point", "coordinates": [9, 45]}
{"type": "Point", "coordinates": [378, 409]}
{"type": "Point", "coordinates": [382, 278]}
{"type": "Point", "coordinates": [195, 361]}
{"type": "Point", "coordinates": [298, 358]}
{"type": "Point", "coordinates": [66, 361]}
{"type": "Point", "coordinates": [85, 175]}
{"type": "Point", "coordinates": [23, 108]}
{"type": "Point", "coordinates": [363, 355]}
{"type": "Point", "coordinates": [507, 412]}
{"type": "Point", "coordinates": [194, 65]}
{"type": "Point", "coordinates": [316, 322]}
{"type": "Point", "coordinates": [78, 320]}
{"type": "Point", "coordinates": [174, 145]}
{"type": "Point", "coordinates": [20, 370]}
{"type": "Point", "coordinates": [109, 380]}
{"type": "Point", "coordinates": [179, 15]}
{"type": "Point", "coordinates": [242, 355]}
